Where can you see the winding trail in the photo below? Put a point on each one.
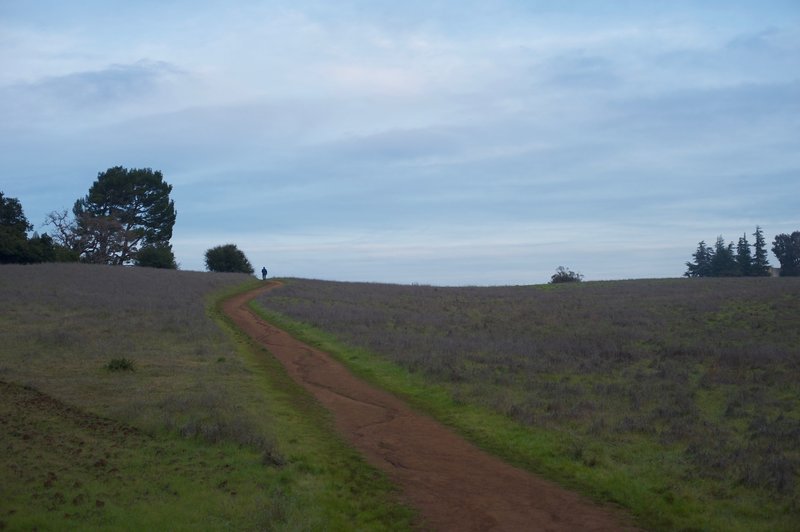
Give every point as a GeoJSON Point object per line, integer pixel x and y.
{"type": "Point", "coordinates": [454, 485]}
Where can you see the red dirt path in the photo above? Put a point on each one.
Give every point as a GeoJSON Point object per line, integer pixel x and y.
{"type": "Point", "coordinates": [454, 485]}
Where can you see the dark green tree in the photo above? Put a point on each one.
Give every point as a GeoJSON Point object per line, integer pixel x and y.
{"type": "Point", "coordinates": [723, 262]}
{"type": "Point", "coordinates": [123, 211]}
{"type": "Point", "coordinates": [158, 256]}
{"type": "Point", "coordinates": [16, 247]}
{"type": "Point", "coordinates": [565, 275]}
{"type": "Point", "coordinates": [14, 227]}
{"type": "Point", "coordinates": [743, 257]}
{"type": "Point", "coordinates": [760, 266]}
{"type": "Point", "coordinates": [701, 267]}
{"type": "Point", "coordinates": [787, 249]}
{"type": "Point", "coordinates": [227, 258]}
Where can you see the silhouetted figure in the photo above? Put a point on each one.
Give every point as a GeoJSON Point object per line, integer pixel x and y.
{"type": "Point", "coordinates": [264, 274]}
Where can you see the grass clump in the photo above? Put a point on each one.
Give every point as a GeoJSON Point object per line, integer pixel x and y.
{"type": "Point", "coordinates": [120, 364]}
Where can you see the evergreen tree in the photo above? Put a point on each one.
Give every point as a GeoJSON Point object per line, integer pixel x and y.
{"type": "Point", "coordinates": [723, 263]}
{"type": "Point", "coordinates": [743, 257]}
{"type": "Point", "coordinates": [701, 267]}
{"type": "Point", "coordinates": [760, 265]}
{"type": "Point", "coordinates": [125, 209]}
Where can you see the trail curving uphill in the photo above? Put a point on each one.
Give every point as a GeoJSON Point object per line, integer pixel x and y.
{"type": "Point", "coordinates": [454, 485]}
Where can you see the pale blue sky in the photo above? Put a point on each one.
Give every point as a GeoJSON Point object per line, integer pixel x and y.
{"type": "Point", "coordinates": [445, 142]}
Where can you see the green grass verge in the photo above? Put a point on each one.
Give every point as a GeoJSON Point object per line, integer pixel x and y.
{"type": "Point", "coordinates": [332, 487]}
{"type": "Point", "coordinates": [652, 481]}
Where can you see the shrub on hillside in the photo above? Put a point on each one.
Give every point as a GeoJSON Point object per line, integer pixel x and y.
{"type": "Point", "coordinates": [120, 364]}
{"type": "Point", "coordinates": [227, 258]}
{"type": "Point", "coordinates": [565, 275]}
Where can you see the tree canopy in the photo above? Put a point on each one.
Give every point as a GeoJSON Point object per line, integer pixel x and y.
{"type": "Point", "coordinates": [158, 256]}
{"type": "Point", "coordinates": [15, 246]}
{"type": "Point", "coordinates": [227, 258]}
{"type": "Point", "coordinates": [14, 227]}
{"type": "Point", "coordinates": [565, 275]}
{"type": "Point", "coordinates": [725, 260]}
{"type": "Point", "coordinates": [123, 211]}
{"type": "Point", "coordinates": [787, 249]}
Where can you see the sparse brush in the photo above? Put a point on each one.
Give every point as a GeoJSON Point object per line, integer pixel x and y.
{"type": "Point", "coordinates": [120, 364]}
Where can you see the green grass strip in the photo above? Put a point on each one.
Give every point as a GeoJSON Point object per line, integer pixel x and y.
{"type": "Point", "coordinates": [327, 483]}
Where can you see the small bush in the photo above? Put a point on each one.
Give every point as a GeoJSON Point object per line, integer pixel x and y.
{"type": "Point", "coordinates": [565, 275]}
{"type": "Point", "coordinates": [120, 364]}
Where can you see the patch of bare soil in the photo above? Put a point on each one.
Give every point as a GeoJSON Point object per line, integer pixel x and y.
{"type": "Point", "coordinates": [453, 484]}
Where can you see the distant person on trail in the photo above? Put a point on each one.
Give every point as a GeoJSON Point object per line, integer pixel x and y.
{"type": "Point", "coordinates": [264, 273]}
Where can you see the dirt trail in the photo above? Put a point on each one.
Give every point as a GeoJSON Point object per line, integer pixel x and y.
{"type": "Point", "coordinates": [453, 484]}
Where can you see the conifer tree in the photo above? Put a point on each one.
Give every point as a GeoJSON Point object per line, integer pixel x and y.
{"type": "Point", "coordinates": [723, 263]}
{"type": "Point", "coordinates": [701, 267]}
{"type": "Point", "coordinates": [743, 257]}
{"type": "Point", "coordinates": [760, 265]}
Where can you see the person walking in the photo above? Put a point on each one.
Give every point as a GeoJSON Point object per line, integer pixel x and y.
{"type": "Point", "coordinates": [264, 273]}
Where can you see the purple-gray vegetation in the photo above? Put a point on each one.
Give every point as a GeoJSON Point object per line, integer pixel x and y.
{"type": "Point", "coordinates": [64, 326]}
{"type": "Point", "coordinates": [709, 365]}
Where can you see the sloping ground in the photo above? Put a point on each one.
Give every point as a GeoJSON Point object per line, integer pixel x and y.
{"type": "Point", "coordinates": [455, 485]}
{"type": "Point", "coordinates": [62, 468]}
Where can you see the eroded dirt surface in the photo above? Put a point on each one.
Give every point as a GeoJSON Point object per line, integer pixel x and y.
{"type": "Point", "coordinates": [453, 484]}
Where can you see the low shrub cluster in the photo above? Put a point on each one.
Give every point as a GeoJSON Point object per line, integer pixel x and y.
{"type": "Point", "coordinates": [120, 364]}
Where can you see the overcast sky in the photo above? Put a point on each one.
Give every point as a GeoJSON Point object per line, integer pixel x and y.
{"type": "Point", "coordinates": [444, 142]}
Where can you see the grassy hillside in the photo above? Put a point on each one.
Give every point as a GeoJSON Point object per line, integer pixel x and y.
{"type": "Point", "coordinates": [205, 432]}
{"type": "Point", "coordinates": [679, 399]}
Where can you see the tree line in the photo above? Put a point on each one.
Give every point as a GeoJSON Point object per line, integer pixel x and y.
{"type": "Point", "coordinates": [126, 218]}
{"type": "Point", "coordinates": [744, 260]}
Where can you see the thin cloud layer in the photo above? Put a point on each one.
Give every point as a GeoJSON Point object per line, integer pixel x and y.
{"type": "Point", "coordinates": [452, 143]}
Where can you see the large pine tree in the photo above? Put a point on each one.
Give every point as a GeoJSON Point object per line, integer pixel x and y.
{"type": "Point", "coordinates": [124, 210]}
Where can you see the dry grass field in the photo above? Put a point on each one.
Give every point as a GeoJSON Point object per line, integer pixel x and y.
{"type": "Point", "coordinates": [679, 399]}
{"type": "Point", "coordinates": [63, 324]}
{"type": "Point", "coordinates": [125, 404]}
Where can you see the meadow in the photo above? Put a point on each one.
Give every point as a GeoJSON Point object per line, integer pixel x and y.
{"type": "Point", "coordinates": [129, 403]}
{"type": "Point", "coordinates": [677, 399]}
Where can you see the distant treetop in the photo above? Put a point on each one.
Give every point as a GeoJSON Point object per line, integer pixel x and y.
{"type": "Point", "coordinates": [565, 275]}
{"type": "Point", "coordinates": [227, 258]}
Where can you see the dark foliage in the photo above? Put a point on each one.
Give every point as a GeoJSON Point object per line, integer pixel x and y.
{"type": "Point", "coordinates": [120, 364]}
{"type": "Point", "coordinates": [787, 249]}
{"type": "Point", "coordinates": [710, 365]}
{"type": "Point", "coordinates": [565, 275]}
{"type": "Point", "coordinates": [227, 258]}
{"type": "Point", "coordinates": [123, 210]}
{"type": "Point", "coordinates": [16, 247]}
{"type": "Point", "coordinates": [157, 256]}
{"type": "Point", "coordinates": [760, 265]}
{"type": "Point", "coordinates": [726, 261]}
